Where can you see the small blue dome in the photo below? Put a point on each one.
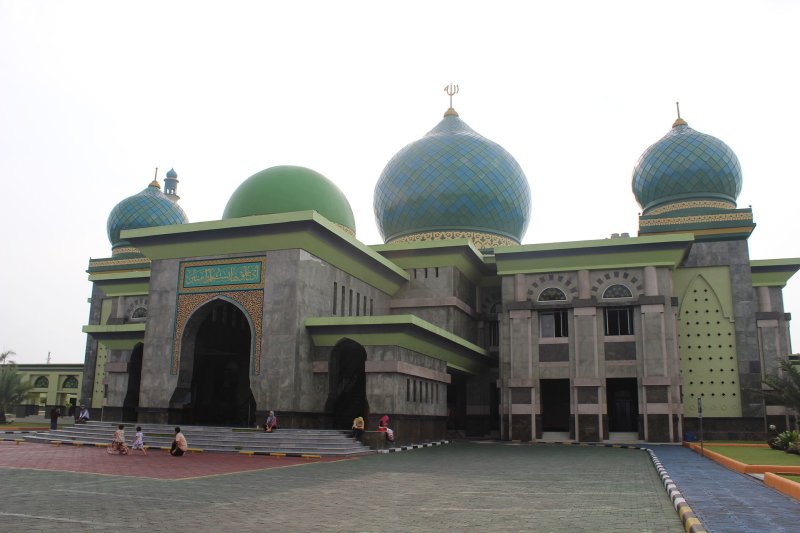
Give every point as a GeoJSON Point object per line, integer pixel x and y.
{"type": "Point", "coordinates": [149, 208]}
{"type": "Point", "coordinates": [453, 183]}
{"type": "Point", "coordinates": [686, 165]}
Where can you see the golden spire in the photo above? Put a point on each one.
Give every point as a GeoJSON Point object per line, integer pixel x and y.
{"type": "Point", "coordinates": [451, 90]}
{"type": "Point", "coordinates": [155, 183]}
{"type": "Point", "coordinates": [679, 121]}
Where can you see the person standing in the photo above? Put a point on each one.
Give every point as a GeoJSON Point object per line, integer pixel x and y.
{"type": "Point", "coordinates": [55, 412]}
{"type": "Point", "coordinates": [179, 445]}
{"type": "Point", "coordinates": [138, 441]}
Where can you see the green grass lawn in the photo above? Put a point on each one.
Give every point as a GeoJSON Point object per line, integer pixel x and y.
{"type": "Point", "coordinates": [713, 442]}
{"type": "Point", "coordinates": [757, 456]}
{"type": "Point", "coordinates": [796, 479]}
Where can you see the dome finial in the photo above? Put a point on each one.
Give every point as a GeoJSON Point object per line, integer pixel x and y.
{"type": "Point", "coordinates": [155, 182]}
{"type": "Point", "coordinates": [679, 121]}
{"type": "Point", "coordinates": [451, 90]}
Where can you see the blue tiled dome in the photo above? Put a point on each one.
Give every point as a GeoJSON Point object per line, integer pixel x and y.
{"type": "Point", "coordinates": [686, 165]}
{"type": "Point", "coordinates": [147, 209]}
{"type": "Point", "coordinates": [453, 183]}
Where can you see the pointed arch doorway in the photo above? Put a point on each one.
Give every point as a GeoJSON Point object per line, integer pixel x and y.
{"type": "Point", "coordinates": [348, 383]}
{"type": "Point", "coordinates": [214, 378]}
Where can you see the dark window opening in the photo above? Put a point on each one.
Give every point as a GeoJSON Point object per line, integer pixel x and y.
{"type": "Point", "coordinates": [554, 324]}
{"type": "Point", "coordinates": [619, 321]}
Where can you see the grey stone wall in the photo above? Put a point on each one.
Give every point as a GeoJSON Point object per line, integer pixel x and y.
{"type": "Point", "coordinates": [442, 296]}
{"type": "Point", "coordinates": [587, 357]}
{"type": "Point", "coordinates": [300, 285]}
{"type": "Point", "coordinates": [90, 357]}
{"type": "Point", "coordinates": [158, 383]}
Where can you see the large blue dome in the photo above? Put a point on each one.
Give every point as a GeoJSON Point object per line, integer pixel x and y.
{"type": "Point", "coordinates": [686, 165]}
{"type": "Point", "coordinates": [453, 183]}
{"type": "Point", "coordinates": [147, 209]}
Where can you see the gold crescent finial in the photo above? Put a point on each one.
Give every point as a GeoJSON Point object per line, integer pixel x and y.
{"type": "Point", "coordinates": [451, 90]}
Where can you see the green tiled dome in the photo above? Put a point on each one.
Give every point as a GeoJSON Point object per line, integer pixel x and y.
{"type": "Point", "coordinates": [452, 183]}
{"type": "Point", "coordinates": [147, 209]}
{"type": "Point", "coordinates": [284, 189]}
{"type": "Point", "coordinates": [686, 165]}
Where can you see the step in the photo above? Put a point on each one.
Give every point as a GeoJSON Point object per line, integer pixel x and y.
{"type": "Point", "coordinates": [213, 438]}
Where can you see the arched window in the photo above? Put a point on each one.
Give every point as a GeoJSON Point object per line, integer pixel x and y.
{"type": "Point", "coordinates": [552, 294]}
{"type": "Point", "coordinates": [70, 382]}
{"type": "Point", "coordinates": [617, 291]}
{"type": "Point", "coordinates": [139, 312]}
{"type": "Point", "coordinates": [41, 382]}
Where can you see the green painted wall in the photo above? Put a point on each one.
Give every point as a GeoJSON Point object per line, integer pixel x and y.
{"type": "Point", "coordinates": [707, 342]}
{"type": "Point", "coordinates": [105, 310]}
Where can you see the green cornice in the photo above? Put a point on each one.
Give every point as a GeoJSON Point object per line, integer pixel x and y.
{"type": "Point", "coordinates": [660, 251]}
{"type": "Point", "coordinates": [773, 272]}
{"type": "Point", "coordinates": [307, 230]}
{"type": "Point", "coordinates": [405, 331]}
{"type": "Point", "coordinates": [116, 276]}
{"type": "Point", "coordinates": [113, 329]}
{"type": "Point", "coordinates": [117, 336]}
{"type": "Point", "coordinates": [458, 253]}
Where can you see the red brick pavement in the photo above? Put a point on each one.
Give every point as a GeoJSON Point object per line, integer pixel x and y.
{"type": "Point", "coordinates": [158, 464]}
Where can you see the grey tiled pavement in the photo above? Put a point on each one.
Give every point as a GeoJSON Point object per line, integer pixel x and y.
{"type": "Point", "coordinates": [459, 487]}
{"type": "Point", "coordinates": [726, 501]}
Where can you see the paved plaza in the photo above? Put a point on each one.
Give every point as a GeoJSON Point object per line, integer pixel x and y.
{"type": "Point", "coordinates": [458, 487]}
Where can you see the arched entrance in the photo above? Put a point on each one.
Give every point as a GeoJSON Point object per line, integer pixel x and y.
{"type": "Point", "coordinates": [214, 379]}
{"type": "Point", "coordinates": [348, 383]}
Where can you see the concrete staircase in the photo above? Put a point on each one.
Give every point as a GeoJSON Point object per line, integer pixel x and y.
{"type": "Point", "coordinates": [290, 442]}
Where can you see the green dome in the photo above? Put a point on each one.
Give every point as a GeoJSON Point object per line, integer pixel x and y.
{"type": "Point", "coordinates": [149, 208]}
{"type": "Point", "coordinates": [687, 166]}
{"type": "Point", "coordinates": [453, 183]}
{"type": "Point", "coordinates": [285, 189]}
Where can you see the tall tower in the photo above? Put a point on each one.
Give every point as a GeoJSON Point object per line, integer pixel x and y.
{"type": "Point", "coordinates": [171, 185]}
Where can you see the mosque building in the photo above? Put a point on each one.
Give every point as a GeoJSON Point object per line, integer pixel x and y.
{"type": "Point", "coordinates": [453, 324]}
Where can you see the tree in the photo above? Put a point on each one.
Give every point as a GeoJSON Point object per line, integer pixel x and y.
{"type": "Point", "coordinates": [785, 389]}
{"type": "Point", "coordinates": [12, 389]}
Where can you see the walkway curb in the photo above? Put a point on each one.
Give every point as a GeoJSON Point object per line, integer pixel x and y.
{"type": "Point", "coordinates": [690, 521]}
{"type": "Point", "coordinates": [414, 446]}
{"type": "Point", "coordinates": [781, 484]}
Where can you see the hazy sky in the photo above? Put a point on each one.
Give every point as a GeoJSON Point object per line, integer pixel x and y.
{"type": "Point", "coordinates": [95, 95]}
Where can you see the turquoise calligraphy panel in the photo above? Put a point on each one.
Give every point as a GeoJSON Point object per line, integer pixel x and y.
{"type": "Point", "coordinates": [217, 275]}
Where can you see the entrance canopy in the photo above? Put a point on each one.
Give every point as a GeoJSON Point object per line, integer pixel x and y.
{"type": "Point", "coordinates": [406, 331]}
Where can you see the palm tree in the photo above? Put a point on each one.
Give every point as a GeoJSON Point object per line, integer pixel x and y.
{"type": "Point", "coordinates": [785, 389]}
{"type": "Point", "coordinates": [12, 389]}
